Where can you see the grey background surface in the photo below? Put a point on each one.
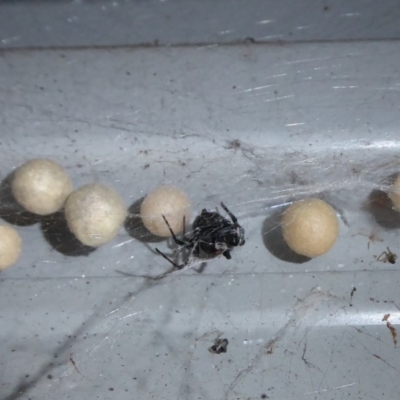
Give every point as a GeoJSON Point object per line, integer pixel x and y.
{"type": "Point", "coordinates": [135, 22]}
{"type": "Point", "coordinates": [254, 125]}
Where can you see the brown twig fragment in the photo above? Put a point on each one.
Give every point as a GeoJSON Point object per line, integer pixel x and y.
{"type": "Point", "coordinates": [393, 331]}
{"type": "Point", "coordinates": [73, 363]}
{"type": "Point", "coordinates": [386, 317]}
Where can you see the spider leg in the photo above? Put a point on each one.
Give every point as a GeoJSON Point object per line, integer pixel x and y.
{"type": "Point", "coordinates": [176, 240]}
{"type": "Point", "coordinates": [233, 218]}
{"type": "Point", "coordinates": [391, 257]}
{"type": "Point", "coordinates": [196, 250]}
{"type": "Point", "coordinates": [177, 266]}
{"type": "Point", "coordinates": [227, 254]}
{"type": "Point", "coordinates": [379, 258]}
{"type": "Point", "coordinates": [184, 226]}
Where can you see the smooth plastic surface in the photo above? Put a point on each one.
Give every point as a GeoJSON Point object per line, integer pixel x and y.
{"type": "Point", "coordinates": [65, 23]}
{"type": "Point", "coordinates": [253, 126]}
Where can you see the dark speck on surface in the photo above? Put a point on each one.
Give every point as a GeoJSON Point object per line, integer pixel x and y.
{"type": "Point", "coordinates": [249, 40]}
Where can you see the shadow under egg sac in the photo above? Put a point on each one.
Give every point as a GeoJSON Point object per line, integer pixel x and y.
{"type": "Point", "coordinates": [10, 210]}
{"type": "Point", "coordinates": [275, 243]}
{"type": "Point", "coordinates": [382, 210]}
{"type": "Point", "coordinates": [134, 225]}
{"type": "Point", "coordinates": [57, 233]}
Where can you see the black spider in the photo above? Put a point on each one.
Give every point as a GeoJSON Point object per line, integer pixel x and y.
{"type": "Point", "coordinates": [213, 235]}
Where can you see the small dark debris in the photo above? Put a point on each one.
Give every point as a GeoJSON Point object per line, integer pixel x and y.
{"type": "Point", "coordinates": [264, 396]}
{"type": "Point", "coordinates": [271, 348]}
{"type": "Point", "coordinates": [49, 376]}
{"type": "Point", "coordinates": [295, 179]}
{"type": "Point", "coordinates": [219, 346]}
{"type": "Point", "coordinates": [146, 166]}
{"type": "Point", "coordinates": [234, 144]}
{"type": "Point", "coordinates": [351, 295]}
{"type": "Point", "coordinates": [356, 171]}
{"type": "Point", "coordinates": [326, 8]}
{"type": "Point", "coordinates": [249, 40]}
{"type": "Point", "coordinates": [111, 389]}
